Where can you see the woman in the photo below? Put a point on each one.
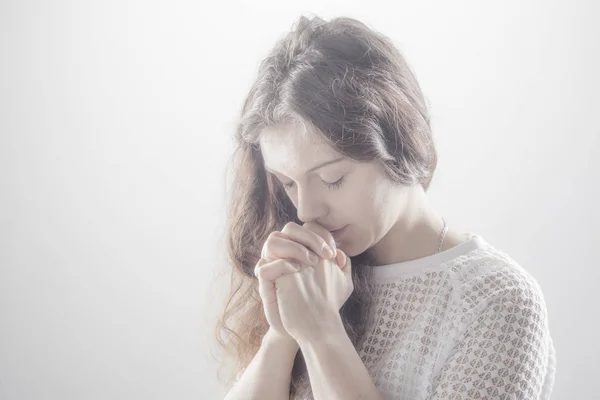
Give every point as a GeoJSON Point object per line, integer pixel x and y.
{"type": "Point", "coordinates": [335, 152]}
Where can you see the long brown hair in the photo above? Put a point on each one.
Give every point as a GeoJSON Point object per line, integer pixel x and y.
{"type": "Point", "coordinates": [352, 86]}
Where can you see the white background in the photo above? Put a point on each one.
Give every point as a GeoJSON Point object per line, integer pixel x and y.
{"type": "Point", "coordinates": [116, 124]}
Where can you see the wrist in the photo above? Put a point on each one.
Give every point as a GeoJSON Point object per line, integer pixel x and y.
{"type": "Point", "coordinates": [277, 339]}
{"type": "Point", "coordinates": [331, 331]}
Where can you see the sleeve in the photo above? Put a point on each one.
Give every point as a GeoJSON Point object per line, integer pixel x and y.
{"type": "Point", "coordinates": [505, 353]}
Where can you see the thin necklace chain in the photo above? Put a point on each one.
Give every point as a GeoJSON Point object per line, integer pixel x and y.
{"type": "Point", "coordinates": [442, 236]}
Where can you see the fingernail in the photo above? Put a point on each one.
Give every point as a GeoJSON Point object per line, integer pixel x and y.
{"type": "Point", "coordinates": [328, 251]}
{"type": "Point", "coordinates": [313, 258]}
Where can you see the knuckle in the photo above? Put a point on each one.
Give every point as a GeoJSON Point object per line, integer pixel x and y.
{"type": "Point", "coordinates": [309, 254]}
{"type": "Point", "coordinates": [269, 242]}
{"type": "Point", "coordinates": [289, 226]}
{"type": "Point", "coordinates": [259, 266]}
{"type": "Point", "coordinates": [313, 257]}
{"type": "Point", "coordinates": [310, 225]}
{"type": "Point", "coordinates": [280, 263]}
{"type": "Point", "coordinates": [271, 236]}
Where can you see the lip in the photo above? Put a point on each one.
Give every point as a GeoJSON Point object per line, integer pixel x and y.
{"type": "Point", "coordinates": [338, 233]}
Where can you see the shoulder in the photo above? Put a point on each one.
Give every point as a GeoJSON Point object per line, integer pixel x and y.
{"type": "Point", "coordinates": [488, 276]}
{"type": "Point", "coordinates": [499, 324]}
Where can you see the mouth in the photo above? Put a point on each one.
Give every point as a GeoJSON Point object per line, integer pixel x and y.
{"type": "Point", "coordinates": [338, 232]}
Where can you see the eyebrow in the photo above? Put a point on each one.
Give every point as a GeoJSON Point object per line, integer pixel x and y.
{"type": "Point", "coordinates": [317, 166]}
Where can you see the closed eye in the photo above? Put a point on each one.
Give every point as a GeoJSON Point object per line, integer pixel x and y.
{"type": "Point", "coordinates": [328, 185]}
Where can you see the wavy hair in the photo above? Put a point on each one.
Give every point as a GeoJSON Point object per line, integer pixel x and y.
{"type": "Point", "coordinates": [351, 86]}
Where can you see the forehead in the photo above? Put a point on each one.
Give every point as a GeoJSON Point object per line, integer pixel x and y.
{"type": "Point", "coordinates": [289, 147]}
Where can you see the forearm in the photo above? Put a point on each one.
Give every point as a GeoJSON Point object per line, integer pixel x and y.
{"type": "Point", "coordinates": [268, 375]}
{"type": "Point", "coordinates": [335, 369]}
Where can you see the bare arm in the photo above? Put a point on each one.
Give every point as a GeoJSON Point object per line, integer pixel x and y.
{"type": "Point", "coordinates": [269, 373]}
{"type": "Point", "coordinates": [335, 369]}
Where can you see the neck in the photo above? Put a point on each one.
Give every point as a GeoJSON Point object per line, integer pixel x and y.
{"type": "Point", "coordinates": [415, 234]}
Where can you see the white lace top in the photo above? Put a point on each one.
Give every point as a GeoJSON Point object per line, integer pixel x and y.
{"type": "Point", "coordinates": [465, 323]}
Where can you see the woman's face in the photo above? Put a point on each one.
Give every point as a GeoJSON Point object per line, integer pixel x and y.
{"type": "Point", "coordinates": [331, 189]}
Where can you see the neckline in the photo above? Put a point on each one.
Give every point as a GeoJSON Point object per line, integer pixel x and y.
{"type": "Point", "coordinates": [401, 269]}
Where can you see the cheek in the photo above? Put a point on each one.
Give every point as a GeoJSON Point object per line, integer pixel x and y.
{"type": "Point", "coordinates": [357, 210]}
{"type": "Point", "coordinates": [350, 206]}
{"type": "Point", "coordinates": [372, 206]}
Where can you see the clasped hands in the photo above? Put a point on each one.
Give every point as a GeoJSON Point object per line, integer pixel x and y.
{"type": "Point", "coordinates": [303, 287]}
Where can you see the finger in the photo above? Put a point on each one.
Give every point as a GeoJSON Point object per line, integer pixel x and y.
{"type": "Point", "coordinates": [313, 236]}
{"type": "Point", "coordinates": [259, 264]}
{"type": "Point", "coordinates": [280, 246]}
{"type": "Point", "coordinates": [266, 286]}
{"type": "Point", "coordinates": [347, 269]}
{"type": "Point", "coordinates": [267, 291]}
{"type": "Point", "coordinates": [343, 261]}
{"type": "Point", "coordinates": [323, 233]}
{"type": "Point", "coordinates": [277, 268]}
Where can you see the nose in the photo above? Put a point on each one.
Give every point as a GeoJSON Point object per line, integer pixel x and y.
{"type": "Point", "coordinates": [309, 208]}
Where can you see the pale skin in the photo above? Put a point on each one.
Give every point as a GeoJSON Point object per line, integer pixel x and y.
{"type": "Point", "coordinates": [301, 296]}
